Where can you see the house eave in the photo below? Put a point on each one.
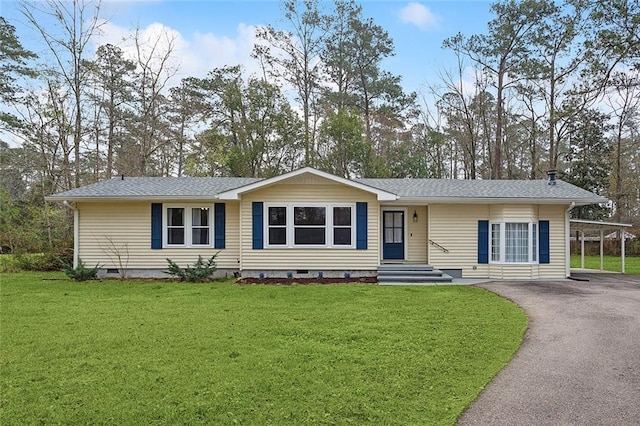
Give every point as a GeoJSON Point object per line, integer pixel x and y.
{"type": "Point", "coordinates": [209, 198]}
{"type": "Point", "coordinates": [496, 200]}
{"type": "Point", "coordinates": [236, 194]}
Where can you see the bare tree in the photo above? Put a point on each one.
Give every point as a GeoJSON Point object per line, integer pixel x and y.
{"type": "Point", "coordinates": [76, 23]}
{"type": "Point", "coordinates": [624, 101]}
{"type": "Point", "coordinates": [500, 53]}
{"type": "Point", "coordinates": [154, 70]}
{"type": "Point", "coordinates": [118, 254]}
{"type": "Point", "coordinates": [296, 58]}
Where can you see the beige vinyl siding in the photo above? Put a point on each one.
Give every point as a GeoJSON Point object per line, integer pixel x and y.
{"type": "Point", "coordinates": [417, 235]}
{"type": "Point", "coordinates": [513, 272]}
{"type": "Point", "coordinates": [555, 214]}
{"type": "Point", "coordinates": [455, 227]}
{"type": "Point", "coordinates": [513, 212]}
{"type": "Point", "coordinates": [318, 191]}
{"type": "Point", "coordinates": [128, 224]}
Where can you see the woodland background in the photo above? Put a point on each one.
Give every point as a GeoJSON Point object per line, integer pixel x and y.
{"type": "Point", "coordinates": [556, 86]}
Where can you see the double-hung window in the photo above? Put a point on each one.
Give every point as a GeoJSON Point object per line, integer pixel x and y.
{"type": "Point", "coordinates": [311, 225]}
{"type": "Point", "coordinates": [514, 242]}
{"type": "Point", "coordinates": [277, 226]}
{"type": "Point", "coordinates": [188, 226]}
{"type": "Point", "coordinates": [176, 226]}
{"type": "Point", "coordinates": [342, 226]}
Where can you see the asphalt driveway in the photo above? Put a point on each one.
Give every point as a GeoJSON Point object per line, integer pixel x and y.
{"type": "Point", "coordinates": [580, 360]}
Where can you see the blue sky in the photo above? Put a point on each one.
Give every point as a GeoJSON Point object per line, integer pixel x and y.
{"type": "Point", "coordinates": [220, 32]}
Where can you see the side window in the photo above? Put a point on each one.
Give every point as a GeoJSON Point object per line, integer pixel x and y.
{"type": "Point", "coordinates": [188, 226]}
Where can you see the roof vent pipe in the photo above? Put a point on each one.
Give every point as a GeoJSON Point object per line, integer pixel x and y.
{"type": "Point", "coordinates": [551, 174]}
{"type": "Point", "coordinates": [122, 177]}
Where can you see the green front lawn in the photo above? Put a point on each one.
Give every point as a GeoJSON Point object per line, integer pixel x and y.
{"type": "Point", "coordinates": [611, 263]}
{"type": "Point", "coordinates": [167, 353]}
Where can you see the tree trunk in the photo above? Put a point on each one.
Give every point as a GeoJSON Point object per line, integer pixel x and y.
{"type": "Point", "coordinates": [497, 150]}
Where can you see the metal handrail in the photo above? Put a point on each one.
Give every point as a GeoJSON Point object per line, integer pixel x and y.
{"type": "Point", "coordinates": [433, 243]}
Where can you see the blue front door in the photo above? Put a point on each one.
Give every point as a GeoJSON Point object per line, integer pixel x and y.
{"type": "Point", "coordinates": [393, 235]}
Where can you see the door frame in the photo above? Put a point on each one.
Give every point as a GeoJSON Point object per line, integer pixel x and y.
{"type": "Point", "coordinates": [405, 225]}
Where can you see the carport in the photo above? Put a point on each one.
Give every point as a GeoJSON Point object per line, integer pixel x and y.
{"type": "Point", "coordinates": [594, 226]}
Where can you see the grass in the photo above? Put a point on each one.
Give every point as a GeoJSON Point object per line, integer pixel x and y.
{"type": "Point", "coordinates": [116, 352]}
{"type": "Point", "coordinates": [611, 263]}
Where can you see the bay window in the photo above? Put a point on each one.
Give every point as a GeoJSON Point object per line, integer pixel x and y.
{"type": "Point", "coordinates": [495, 242]}
{"type": "Point", "coordinates": [514, 242]}
{"type": "Point", "coordinates": [309, 225]}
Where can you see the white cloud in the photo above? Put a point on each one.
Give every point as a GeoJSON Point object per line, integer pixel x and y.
{"type": "Point", "coordinates": [193, 54]}
{"type": "Point", "coordinates": [419, 15]}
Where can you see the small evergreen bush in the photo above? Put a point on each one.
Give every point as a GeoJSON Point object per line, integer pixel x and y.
{"type": "Point", "coordinates": [82, 273]}
{"type": "Point", "coordinates": [201, 271]}
{"type": "Point", "coordinates": [52, 260]}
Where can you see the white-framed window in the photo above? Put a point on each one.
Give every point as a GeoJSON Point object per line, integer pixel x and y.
{"type": "Point", "coordinates": [309, 225]}
{"type": "Point", "coordinates": [277, 226]}
{"type": "Point", "coordinates": [495, 242]}
{"type": "Point", "coordinates": [514, 242]}
{"type": "Point", "coordinates": [188, 225]}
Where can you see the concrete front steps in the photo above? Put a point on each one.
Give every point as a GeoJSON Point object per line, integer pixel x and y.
{"type": "Point", "coordinates": [400, 273]}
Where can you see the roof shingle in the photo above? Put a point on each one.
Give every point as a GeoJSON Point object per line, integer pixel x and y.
{"type": "Point", "coordinates": [156, 187]}
{"type": "Point", "coordinates": [429, 189]}
{"type": "Point", "coordinates": [456, 188]}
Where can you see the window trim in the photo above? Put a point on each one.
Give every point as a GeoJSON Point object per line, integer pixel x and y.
{"type": "Point", "coordinates": [188, 226]}
{"type": "Point", "coordinates": [532, 226]}
{"type": "Point", "coordinates": [290, 226]}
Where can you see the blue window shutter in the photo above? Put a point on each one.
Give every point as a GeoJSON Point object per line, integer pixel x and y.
{"type": "Point", "coordinates": [361, 226]}
{"type": "Point", "coordinates": [156, 225]}
{"type": "Point", "coordinates": [218, 224]}
{"type": "Point", "coordinates": [543, 255]}
{"type": "Point", "coordinates": [483, 241]}
{"type": "Point", "coordinates": [258, 225]}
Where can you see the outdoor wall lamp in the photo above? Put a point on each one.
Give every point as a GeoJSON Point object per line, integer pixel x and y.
{"type": "Point", "coordinates": [415, 216]}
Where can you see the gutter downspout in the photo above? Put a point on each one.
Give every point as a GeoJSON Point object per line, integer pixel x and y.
{"type": "Point", "coordinates": [567, 235]}
{"type": "Point", "coordinates": [76, 231]}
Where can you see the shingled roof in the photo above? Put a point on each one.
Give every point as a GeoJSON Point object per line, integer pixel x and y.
{"type": "Point", "coordinates": [408, 190]}
{"type": "Point", "coordinates": [434, 189]}
{"type": "Point", "coordinates": [155, 188]}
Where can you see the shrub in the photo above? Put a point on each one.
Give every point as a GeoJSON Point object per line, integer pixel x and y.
{"type": "Point", "coordinates": [81, 272]}
{"type": "Point", "coordinates": [200, 271]}
{"type": "Point", "coordinates": [8, 263]}
{"type": "Point", "coordinates": [53, 260]}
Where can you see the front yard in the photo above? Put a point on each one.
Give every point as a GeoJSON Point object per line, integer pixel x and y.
{"type": "Point", "coordinates": [166, 353]}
